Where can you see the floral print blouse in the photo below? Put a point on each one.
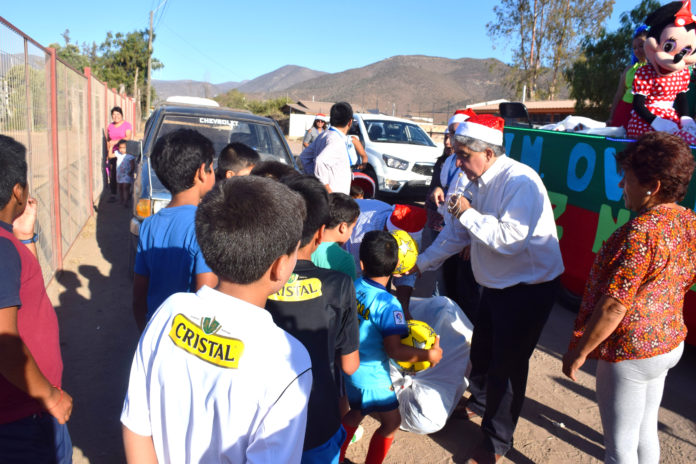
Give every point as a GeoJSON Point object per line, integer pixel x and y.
{"type": "Point", "coordinates": [648, 265]}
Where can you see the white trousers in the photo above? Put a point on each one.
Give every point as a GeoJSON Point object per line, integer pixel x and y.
{"type": "Point", "coordinates": [629, 395]}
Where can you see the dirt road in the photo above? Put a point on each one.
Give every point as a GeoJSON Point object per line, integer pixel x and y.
{"type": "Point", "coordinates": [559, 423]}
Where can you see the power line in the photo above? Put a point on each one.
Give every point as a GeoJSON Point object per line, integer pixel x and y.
{"type": "Point", "coordinates": [161, 15]}
{"type": "Point", "coordinates": [202, 53]}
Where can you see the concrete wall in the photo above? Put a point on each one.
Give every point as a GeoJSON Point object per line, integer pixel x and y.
{"type": "Point", "coordinates": [299, 123]}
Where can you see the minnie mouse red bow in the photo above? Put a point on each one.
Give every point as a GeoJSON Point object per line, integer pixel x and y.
{"type": "Point", "coordinates": [684, 16]}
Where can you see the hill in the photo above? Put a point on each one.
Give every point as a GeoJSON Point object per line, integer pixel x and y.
{"type": "Point", "coordinates": [166, 89]}
{"type": "Point", "coordinates": [411, 84]}
{"type": "Point", "coordinates": [273, 81]}
{"type": "Point", "coordinates": [280, 79]}
{"type": "Point", "coordinates": [405, 85]}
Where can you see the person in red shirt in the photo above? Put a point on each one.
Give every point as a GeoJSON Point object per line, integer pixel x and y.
{"type": "Point", "coordinates": [33, 407]}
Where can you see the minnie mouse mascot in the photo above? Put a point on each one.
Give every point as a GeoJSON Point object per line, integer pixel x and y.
{"type": "Point", "coordinates": [660, 86]}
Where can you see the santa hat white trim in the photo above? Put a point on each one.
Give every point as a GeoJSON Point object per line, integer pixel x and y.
{"type": "Point", "coordinates": [457, 118]}
{"type": "Point", "coordinates": [480, 132]}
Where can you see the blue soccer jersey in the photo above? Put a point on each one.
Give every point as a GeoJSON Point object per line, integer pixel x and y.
{"type": "Point", "coordinates": [380, 315]}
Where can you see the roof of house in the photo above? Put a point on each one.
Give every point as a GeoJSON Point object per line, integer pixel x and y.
{"type": "Point", "coordinates": [316, 107]}
{"type": "Point", "coordinates": [543, 106]}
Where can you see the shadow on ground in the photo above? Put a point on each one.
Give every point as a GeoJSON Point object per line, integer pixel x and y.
{"type": "Point", "coordinates": [92, 297]}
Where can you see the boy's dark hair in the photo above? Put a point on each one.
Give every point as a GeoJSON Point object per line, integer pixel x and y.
{"type": "Point", "coordinates": [316, 201]}
{"type": "Point", "coordinates": [273, 170]}
{"type": "Point", "coordinates": [178, 155]}
{"type": "Point", "coordinates": [235, 157]}
{"type": "Point", "coordinates": [245, 223]}
{"type": "Point", "coordinates": [13, 167]}
{"type": "Point", "coordinates": [356, 191]}
{"type": "Point", "coordinates": [341, 114]}
{"type": "Point", "coordinates": [122, 141]}
{"type": "Point", "coordinates": [343, 209]}
{"type": "Point", "coordinates": [379, 253]}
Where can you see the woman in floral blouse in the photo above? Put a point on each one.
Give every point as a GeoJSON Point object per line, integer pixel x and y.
{"type": "Point", "coordinates": [631, 316]}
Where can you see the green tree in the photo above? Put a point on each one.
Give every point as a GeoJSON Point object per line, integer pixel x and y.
{"type": "Point", "coordinates": [269, 108]}
{"type": "Point", "coordinates": [71, 54]}
{"type": "Point", "coordinates": [232, 99]}
{"type": "Point", "coordinates": [594, 75]}
{"type": "Point", "coordinates": [121, 57]}
{"type": "Point", "coordinates": [236, 99]}
{"type": "Point", "coordinates": [120, 60]}
{"type": "Point", "coordinates": [13, 99]}
{"type": "Point", "coordinates": [547, 35]}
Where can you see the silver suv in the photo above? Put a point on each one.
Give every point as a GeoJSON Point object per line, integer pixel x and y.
{"type": "Point", "coordinates": [400, 154]}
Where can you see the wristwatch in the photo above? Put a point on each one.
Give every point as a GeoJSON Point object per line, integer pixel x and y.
{"type": "Point", "coordinates": [33, 239]}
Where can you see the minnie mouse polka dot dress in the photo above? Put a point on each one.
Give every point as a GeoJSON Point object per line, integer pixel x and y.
{"type": "Point", "coordinates": [660, 92]}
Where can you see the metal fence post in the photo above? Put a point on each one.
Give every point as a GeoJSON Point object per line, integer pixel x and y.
{"type": "Point", "coordinates": [56, 167]}
{"type": "Point", "coordinates": [106, 112]}
{"type": "Point", "coordinates": [28, 99]}
{"type": "Point", "coordinates": [90, 199]}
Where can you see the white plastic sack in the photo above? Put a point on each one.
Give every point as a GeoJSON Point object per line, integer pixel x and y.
{"type": "Point", "coordinates": [583, 125]}
{"type": "Point", "coordinates": [617, 132]}
{"type": "Point", "coordinates": [428, 398]}
{"type": "Point", "coordinates": [574, 124]}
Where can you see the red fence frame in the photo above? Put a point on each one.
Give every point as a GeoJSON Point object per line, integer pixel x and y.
{"type": "Point", "coordinates": [129, 106]}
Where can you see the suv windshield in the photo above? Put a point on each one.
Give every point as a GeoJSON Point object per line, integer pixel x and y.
{"type": "Point", "coordinates": [397, 132]}
{"type": "Point", "coordinates": [263, 138]}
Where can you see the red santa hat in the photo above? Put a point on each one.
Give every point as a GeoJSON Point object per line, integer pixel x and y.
{"type": "Point", "coordinates": [409, 218]}
{"type": "Point", "coordinates": [460, 116]}
{"type": "Point", "coordinates": [322, 117]}
{"type": "Point", "coordinates": [484, 127]}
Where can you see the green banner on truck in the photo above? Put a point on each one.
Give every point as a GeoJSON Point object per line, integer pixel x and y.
{"type": "Point", "coordinates": [579, 171]}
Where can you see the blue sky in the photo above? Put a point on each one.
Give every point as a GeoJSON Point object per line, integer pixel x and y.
{"type": "Point", "coordinates": [232, 40]}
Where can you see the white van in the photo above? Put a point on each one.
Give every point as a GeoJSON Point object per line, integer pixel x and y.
{"type": "Point", "coordinates": [400, 154]}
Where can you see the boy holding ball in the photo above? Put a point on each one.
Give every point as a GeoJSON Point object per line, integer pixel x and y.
{"type": "Point", "coordinates": [382, 325]}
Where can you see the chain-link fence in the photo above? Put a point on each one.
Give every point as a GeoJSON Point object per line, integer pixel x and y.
{"type": "Point", "coordinates": [60, 115]}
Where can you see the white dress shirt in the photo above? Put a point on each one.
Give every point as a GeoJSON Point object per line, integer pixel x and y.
{"type": "Point", "coordinates": [332, 164]}
{"type": "Point", "coordinates": [510, 227]}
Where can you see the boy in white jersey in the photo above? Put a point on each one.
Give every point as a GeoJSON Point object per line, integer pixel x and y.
{"type": "Point", "coordinates": [213, 378]}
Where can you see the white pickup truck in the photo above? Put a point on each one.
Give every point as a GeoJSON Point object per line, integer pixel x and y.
{"type": "Point", "coordinates": [400, 154]}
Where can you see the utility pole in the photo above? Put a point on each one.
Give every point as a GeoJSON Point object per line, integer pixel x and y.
{"type": "Point", "coordinates": [149, 67]}
{"type": "Point", "coordinates": [135, 87]}
{"type": "Point", "coordinates": [149, 58]}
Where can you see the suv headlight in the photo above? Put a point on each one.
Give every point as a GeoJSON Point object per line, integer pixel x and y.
{"type": "Point", "coordinates": [395, 163]}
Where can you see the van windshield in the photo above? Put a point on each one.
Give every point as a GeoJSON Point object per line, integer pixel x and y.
{"type": "Point", "coordinates": [264, 138]}
{"type": "Point", "coordinates": [397, 132]}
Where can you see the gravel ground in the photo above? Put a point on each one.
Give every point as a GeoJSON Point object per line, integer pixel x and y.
{"type": "Point", "coordinates": [559, 423]}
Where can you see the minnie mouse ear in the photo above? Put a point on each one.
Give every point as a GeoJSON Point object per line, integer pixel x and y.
{"type": "Point", "coordinates": [663, 16]}
{"type": "Point", "coordinates": [684, 16]}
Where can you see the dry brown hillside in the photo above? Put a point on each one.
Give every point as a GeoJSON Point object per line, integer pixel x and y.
{"type": "Point", "coordinates": [414, 83]}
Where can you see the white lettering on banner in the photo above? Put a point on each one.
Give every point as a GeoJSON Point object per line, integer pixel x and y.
{"type": "Point", "coordinates": [581, 157]}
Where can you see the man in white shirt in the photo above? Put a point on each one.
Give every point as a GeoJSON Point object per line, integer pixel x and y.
{"type": "Point", "coordinates": [504, 213]}
{"type": "Point", "coordinates": [328, 157]}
